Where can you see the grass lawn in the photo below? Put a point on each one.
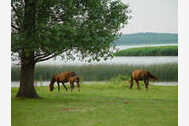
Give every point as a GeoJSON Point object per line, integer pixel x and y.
{"type": "Point", "coordinates": [98, 105]}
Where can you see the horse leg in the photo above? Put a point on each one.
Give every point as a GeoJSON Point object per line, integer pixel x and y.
{"type": "Point", "coordinates": [72, 86]}
{"type": "Point", "coordinates": [146, 82]}
{"type": "Point", "coordinates": [78, 85]}
{"type": "Point", "coordinates": [58, 86]}
{"type": "Point", "coordinates": [131, 83]}
{"type": "Point", "coordinates": [64, 86]}
{"type": "Point", "coordinates": [138, 85]}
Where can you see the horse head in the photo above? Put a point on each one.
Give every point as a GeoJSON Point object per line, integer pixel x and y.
{"type": "Point", "coordinates": [155, 78]}
{"type": "Point", "coordinates": [73, 74]}
{"type": "Point", "coordinates": [51, 85]}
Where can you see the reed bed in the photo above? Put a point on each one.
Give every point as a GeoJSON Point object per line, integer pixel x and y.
{"type": "Point", "coordinates": [149, 51]}
{"type": "Point", "coordinates": [165, 72]}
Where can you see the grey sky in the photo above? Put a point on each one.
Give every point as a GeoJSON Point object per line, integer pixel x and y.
{"type": "Point", "coordinates": [152, 16]}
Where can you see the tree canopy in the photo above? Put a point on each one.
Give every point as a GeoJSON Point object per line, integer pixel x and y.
{"type": "Point", "coordinates": [49, 28]}
{"type": "Point", "coordinates": [43, 29]}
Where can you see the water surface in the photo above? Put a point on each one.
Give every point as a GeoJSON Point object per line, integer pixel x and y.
{"type": "Point", "coordinates": [131, 60]}
{"type": "Point", "coordinates": [46, 83]}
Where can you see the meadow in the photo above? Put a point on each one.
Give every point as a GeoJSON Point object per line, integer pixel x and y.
{"type": "Point", "coordinates": [106, 104]}
{"type": "Point", "coordinates": [149, 51]}
{"type": "Point", "coordinates": [165, 72]}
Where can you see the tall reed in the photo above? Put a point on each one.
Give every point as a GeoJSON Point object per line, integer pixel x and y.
{"type": "Point", "coordinates": [165, 72]}
{"type": "Point", "coordinates": [149, 51]}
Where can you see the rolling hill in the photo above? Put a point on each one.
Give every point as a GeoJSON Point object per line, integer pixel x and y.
{"type": "Point", "coordinates": [147, 38]}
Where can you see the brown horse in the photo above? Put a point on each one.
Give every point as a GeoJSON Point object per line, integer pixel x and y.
{"type": "Point", "coordinates": [72, 80]}
{"type": "Point", "coordinates": [62, 77]}
{"type": "Point", "coordinates": [139, 75]}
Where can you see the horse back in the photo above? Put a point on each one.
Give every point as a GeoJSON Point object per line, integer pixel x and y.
{"type": "Point", "coordinates": [140, 74]}
{"type": "Point", "coordinates": [63, 76]}
{"type": "Point", "coordinates": [74, 79]}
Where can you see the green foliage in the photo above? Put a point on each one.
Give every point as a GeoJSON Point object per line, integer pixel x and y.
{"type": "Point", "coordinates": [118, 79]}
{"type": "Point", "coordinates": [98, 105]}
{"type": "Point", "coordinates": [149, 51]}
{"type": "Point", "coordinates": [165, 72]}
{"type": "Point", "coordinates": [147, 38]}
{"type": "Point", "coordinates": [48, 28]}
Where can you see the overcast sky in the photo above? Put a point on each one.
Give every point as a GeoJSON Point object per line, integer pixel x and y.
{"type": "Point", "coordinates": [152, 16]}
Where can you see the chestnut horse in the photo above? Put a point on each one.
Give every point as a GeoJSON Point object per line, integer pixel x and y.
{"type": "Point", "coordinates": [139, 75]}
{"type": "Point", "coordinates": [72, 80]}
{"type": "Point", "coordinates": [62, 77]}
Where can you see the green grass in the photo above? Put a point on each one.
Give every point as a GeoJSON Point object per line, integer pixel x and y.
{"type": "Point", "coordinates": [98, 105]}
{"type": "Point", "coordinates": [165, 72]}
{"type": "Point", "coordinates": [149, 51]}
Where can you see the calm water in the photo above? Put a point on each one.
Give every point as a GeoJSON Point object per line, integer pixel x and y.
{"type": "Point", "coordinates": [135, 60]}
{"type": "Point", "coordinates": [46, 83]}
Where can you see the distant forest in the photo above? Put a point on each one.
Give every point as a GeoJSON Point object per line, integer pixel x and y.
{"type": "Point", "coordinates": [147, 38]}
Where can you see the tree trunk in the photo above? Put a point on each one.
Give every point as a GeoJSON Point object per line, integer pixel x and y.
{"type": "Point", "coordinates": [27, 78]}
{"type": "Point", "coordinates": [27, 55]}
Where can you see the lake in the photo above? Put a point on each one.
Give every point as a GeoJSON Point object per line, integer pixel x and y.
{"type": "Point", "coordinates": [46, 83]}
{"type": "Point", "coordinates": [135, 60]}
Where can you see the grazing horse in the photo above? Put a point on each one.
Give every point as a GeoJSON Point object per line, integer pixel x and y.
{"type": "Point", "coordinates": [139, 75]}
{"type": "Point", "coordinates": [62, 77]}
{"type": "Point", "coordinates": [72, 80]}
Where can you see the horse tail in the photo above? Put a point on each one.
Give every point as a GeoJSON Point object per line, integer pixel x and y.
{"type": "Point", "coordinates": [152, 76]}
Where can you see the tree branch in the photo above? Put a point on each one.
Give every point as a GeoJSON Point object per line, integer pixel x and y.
{"type": "Point", "coordinates": [39, 57]}
{"type": "Point", "coordinates": [17, 18]}
{"type": "Point", "coordinates": [46, 57]}
{"type": "Point", "coordinates": [14, 9]}
{"type": "Point", "coordinates": [16, 28]}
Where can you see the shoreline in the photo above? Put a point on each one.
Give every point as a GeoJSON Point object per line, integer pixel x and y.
{"type": "Point", "coordinates": [45, 83]}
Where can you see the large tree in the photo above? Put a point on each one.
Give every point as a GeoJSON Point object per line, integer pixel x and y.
{"type": "Point", "coordinates": [43, 29]}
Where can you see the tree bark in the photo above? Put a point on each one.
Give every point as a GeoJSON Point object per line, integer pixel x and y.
{"type": "Point", "coordinates": [26, 88]}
